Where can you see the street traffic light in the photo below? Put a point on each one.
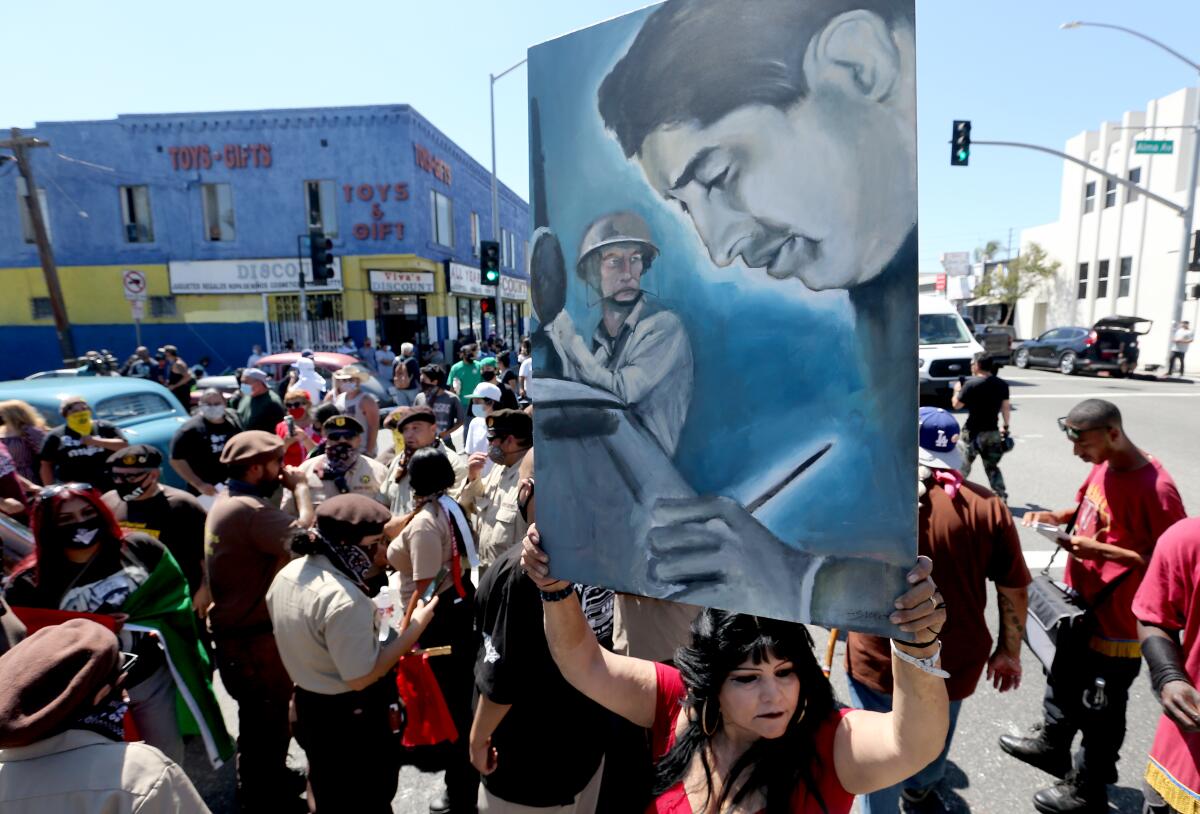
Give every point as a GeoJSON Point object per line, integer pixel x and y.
{"type": "Point", "coordinates": [485, 306]}
{"type": "Point", "coordinates": [960, 143]}
{"type": "Point", "coordinates": [321, 254]}
{"type": "Point", "coordinates": [489, 262]}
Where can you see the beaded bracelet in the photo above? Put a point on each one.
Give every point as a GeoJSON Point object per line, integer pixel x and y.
{"type": "Point", "coordinates": [927, 664]}
{"type": "Point", "coordinates": [557, 596]}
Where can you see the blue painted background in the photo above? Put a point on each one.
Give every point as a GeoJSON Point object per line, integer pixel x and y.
{"type": "Point", "coordinates": [776, 366]}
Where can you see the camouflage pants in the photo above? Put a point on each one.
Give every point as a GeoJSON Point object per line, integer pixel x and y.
{"type": "Point", "coordinates": [989, 446]}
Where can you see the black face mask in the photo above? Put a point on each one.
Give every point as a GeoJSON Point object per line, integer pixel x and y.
{"type": "Point", "coordinates": [131, 489]}
{"type": "Point", "coordinates": [83, 534]}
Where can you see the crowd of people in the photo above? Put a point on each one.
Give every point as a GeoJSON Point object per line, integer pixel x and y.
{"type": "Point", "coordinates": [375, 587]}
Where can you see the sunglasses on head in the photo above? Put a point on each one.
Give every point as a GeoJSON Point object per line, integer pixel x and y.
{"type": "Point", "coordinates": [1074, 433]}
{"type": "Point", "coordinates": [293, 404]}
{"type": "Point", "coordinates": [58, 488]}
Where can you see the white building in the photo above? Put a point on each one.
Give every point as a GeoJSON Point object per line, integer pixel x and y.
{"type": "Point", "coordinates": [1119, 251]}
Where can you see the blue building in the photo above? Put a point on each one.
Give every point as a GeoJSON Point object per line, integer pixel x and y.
{"type": "Point", "coordinates": [187, 229]}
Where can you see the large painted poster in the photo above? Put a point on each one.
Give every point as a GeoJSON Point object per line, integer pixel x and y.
{"type": "Point", "coordinates": [724, 280]}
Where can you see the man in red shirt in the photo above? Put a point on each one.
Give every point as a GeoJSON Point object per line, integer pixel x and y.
{"type": "Point", "coordinates": [1127, 501]}
{"type": "Point", "coordinates": [1167, 606]}
{"type": "Point", "coordinates": [969, 534]}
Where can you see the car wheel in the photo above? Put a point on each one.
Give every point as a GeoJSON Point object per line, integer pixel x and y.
{"type": "Point", "coordinates": [1022, 359]}
{"type": "Point", "coordinates": [1067, 364]}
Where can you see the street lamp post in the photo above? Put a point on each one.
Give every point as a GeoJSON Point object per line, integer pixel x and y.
{"type": "Point", "coordinates": [499, 316]}
{"type": "Point", "coordinates": [1187, 215]}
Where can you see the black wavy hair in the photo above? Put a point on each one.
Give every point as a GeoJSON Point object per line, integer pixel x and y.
{"type": "Point", "coordinates": [430, 472]}
{"type": "Point", "coordinates": [720, 642]}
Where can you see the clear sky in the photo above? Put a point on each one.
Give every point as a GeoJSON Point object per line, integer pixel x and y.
{"type": "Point", "coordinates": [1003, 64]}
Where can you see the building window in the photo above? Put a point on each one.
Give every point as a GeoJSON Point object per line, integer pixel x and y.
{"type": "Point", "coordinates": [1135, 176]}
{"type": "Point", "coordinates": [514, 259]}
{"type": "Point", "coordinates": [218, 212]}
{"type": "Point", "coordinates": [22, 207]}
{"type": "Point", "coordinates": [503, 248]}
{"type": "Point", "coordinates": [1083, 281]}
{"type": "Point", "coordinates": [474, 234]}
{"type": "Point", "coordinates": [508, 249]}
{"type": "Point", "coordinates": [135, 214]}
{"type": "Point", "coordinates": [162, 307]}
{"type": "Point", "coordinates": [443, 219]}
{"type": "Point", "coordinates": [1126, 277]}
{"type": "Point", "coordinates": [41, 308]}
{"type": "Point", "coordinates": [1110, 193]}
{"type": "Point", "coordinates": [319, 202]}
{"type": "Point", "coordinates": [1089, 197]}
{"type": "Point", "coordinates": [1102, 280]}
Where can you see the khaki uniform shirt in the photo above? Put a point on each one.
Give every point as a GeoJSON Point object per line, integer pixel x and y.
{"type": "Point", "coordinates": [81, 772]}
{"type": "Point", "coordinates": [422, 548]}
{"type": "Point", "coordinates": [651, 629]}
{"type": "Point", "coordinates": [245, 544]}
{"type": "Point", "coordinates": [326, 628]}
{"type": "Point", "coordinates": [366, 477]}
{"type": "Point", "coordinates": [495, 518]}
{"type": "Point", "coordinates": [398, 493]}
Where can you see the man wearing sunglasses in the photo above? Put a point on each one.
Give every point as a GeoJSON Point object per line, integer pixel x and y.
{"type": "Point", "coordinates": [1126, 502]}
{"type": "Point", "coordinates": [342, 468]}
{"type": "Point", "coordinates": [173, 517]}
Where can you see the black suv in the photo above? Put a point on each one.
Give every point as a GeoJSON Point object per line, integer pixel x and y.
{"type": "Point", "coordinates": [1111, 344]}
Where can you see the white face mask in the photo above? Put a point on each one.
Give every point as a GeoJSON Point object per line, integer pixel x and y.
{"type": "Point", "coordinates": [477, 410]}
{"type": "Point", "coordinates": [212, 412]}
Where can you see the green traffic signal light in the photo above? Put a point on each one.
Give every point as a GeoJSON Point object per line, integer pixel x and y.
{"type": "Point", "coordinates": [963, 155]}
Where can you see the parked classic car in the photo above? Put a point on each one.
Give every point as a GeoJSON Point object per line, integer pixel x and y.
{"type": "Point", "coordinates": [276, 367]}
{"type": "Point", "coordinates": [1111, 344]}
{"type": "Point", "coordinates": [145, 411]}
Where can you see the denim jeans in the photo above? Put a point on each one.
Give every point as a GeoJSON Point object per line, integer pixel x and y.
{"type": "Point", "coordinates": [887, 801]}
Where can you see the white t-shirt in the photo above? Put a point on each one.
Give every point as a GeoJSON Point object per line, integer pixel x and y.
{"type": "Point", "coordinates": [526, 370]}
{"type": "Point", "coordinates": [1182, 340]}
{"type": "Point", "coordinates": [477, 441]}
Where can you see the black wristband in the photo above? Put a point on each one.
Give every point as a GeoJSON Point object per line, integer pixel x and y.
{"type": "Point", "coordinates": [559, 595]}
{"type": "Point", "coordinates": [918, 645]}
{"type": "Point", "coordinates": [1163, 658]}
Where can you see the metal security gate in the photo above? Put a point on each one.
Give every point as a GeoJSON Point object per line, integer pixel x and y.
{"type": "Point", "coordinates": [326, 323]}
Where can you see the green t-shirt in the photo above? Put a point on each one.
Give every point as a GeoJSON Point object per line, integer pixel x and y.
{"type": "Point", "coordinates": [470, 374]}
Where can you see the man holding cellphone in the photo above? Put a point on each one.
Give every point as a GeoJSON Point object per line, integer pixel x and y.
{"type": "Point", "coordinates": [1127, 501]}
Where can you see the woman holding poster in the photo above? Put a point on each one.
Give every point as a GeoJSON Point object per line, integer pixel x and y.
{"type": "Point", "coordinates": [746, 718]}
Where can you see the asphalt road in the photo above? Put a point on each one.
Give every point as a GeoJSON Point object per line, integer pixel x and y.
{"type": "Point", "coordinates": [1041, 473]}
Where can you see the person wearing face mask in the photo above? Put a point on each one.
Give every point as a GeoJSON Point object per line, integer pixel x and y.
{"type": "Point", "coordinates": [300, 436]}
{"type": "Point", "coordinates": [343, 468]}
{"type": "Point", "coordinates": [60, 694]}
{"type": "Point", "coordinates": [433, 536]}
{"type": "Point", "coordinates": [465, 373]}
{"type": "Point", "coordinates": [246, 542]}
{"type": "Point", "coordinates": [76, 451]}
{"type": "Point", "coordinates": [173, 517]}
{"type": "Point", "coordinates": [309, 379]}
{"type": "Point", "coordinates": [446, 406]}
{"type": "Point", "coordinates": [415, 429]}
{"type": "Point", "coordinates": [84, 562]}
{"type": "Point", "coordinates": [348, 712]}
{"type": "Point", "coordinates": [405, 387]}
{"type": "Point", "coordinates": [492, 500]}
{"type": "Point", "coordinates": [196, 448]}
{"type": "Point", "coordinates": [352, 400]}
{"type": "Point", "coordinates": [485, 400]}
{"type": "Point", "coordinates": [259, 408]}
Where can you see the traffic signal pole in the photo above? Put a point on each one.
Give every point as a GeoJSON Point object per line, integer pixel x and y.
{"type": "Point", "coordinates": [303, 289]}
{"type": "Point", "coordinates": [19, 144]}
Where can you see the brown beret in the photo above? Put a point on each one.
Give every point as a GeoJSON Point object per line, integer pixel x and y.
{"type": "Point", "coordinates": [350, 517]}
{"type": "Point", "coordinates": [138, 456]}
{"type": "Point", "coordinates": [247, 446]}
{"type": "Point", "coordinates": [49, 678]}
{"type": "Point", "coordinates": [416, 414]}
{"type": "Point", "coordinates": [342, 423]}
{"type": "Point", "coordinates": [510, 422]}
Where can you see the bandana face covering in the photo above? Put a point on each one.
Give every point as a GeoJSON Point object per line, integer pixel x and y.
{"type": "Point", "coordinates": [340, 458]}
{"type": "Point", "coordinates": [80, 422]}
{"type": "Point", "coordinates": [106, 718]}
{"type": "Point", "coordinates": [84, 534]}
{"type": "Point", "coordinates": [495, 454]}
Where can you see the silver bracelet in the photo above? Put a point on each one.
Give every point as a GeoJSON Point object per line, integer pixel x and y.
{"type": "Point", "coordinates": [927, 664]}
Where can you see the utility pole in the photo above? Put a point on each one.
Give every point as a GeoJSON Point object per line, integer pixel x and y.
{"type": "Point", "coordinates": [19, 145]}
{"type": "Point", "coordinates": [499, 315]}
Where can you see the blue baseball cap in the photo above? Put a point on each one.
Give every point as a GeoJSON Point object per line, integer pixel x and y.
{"type": "Point", "coordinates": [937, 439]}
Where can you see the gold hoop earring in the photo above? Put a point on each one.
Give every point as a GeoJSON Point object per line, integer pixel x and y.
{"type": "Point", "coordinates": [704, 721]}
{"type": "Point", "coordinates": [803, 710]}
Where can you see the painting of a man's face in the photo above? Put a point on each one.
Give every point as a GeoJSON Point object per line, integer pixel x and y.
{"type": "Point", "coordinates": [819, 191]}
{"type": "Point", "coordinates": [621, 272]}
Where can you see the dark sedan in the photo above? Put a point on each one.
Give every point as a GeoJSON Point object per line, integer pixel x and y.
{"type": "Point", "coordinates": [1111, 344]}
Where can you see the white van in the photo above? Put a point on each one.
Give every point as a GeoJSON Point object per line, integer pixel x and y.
{"type": "Point", "coordinates": [945, 347]}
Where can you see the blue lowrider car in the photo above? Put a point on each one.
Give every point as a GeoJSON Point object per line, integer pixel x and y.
{"type": "Point", "coordinates": [145, 411]}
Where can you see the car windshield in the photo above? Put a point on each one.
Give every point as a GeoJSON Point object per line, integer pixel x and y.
{"type": "Point", "coordinates": [942, 329]}
{"type": "Point", "coordinates": [132, 405]}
